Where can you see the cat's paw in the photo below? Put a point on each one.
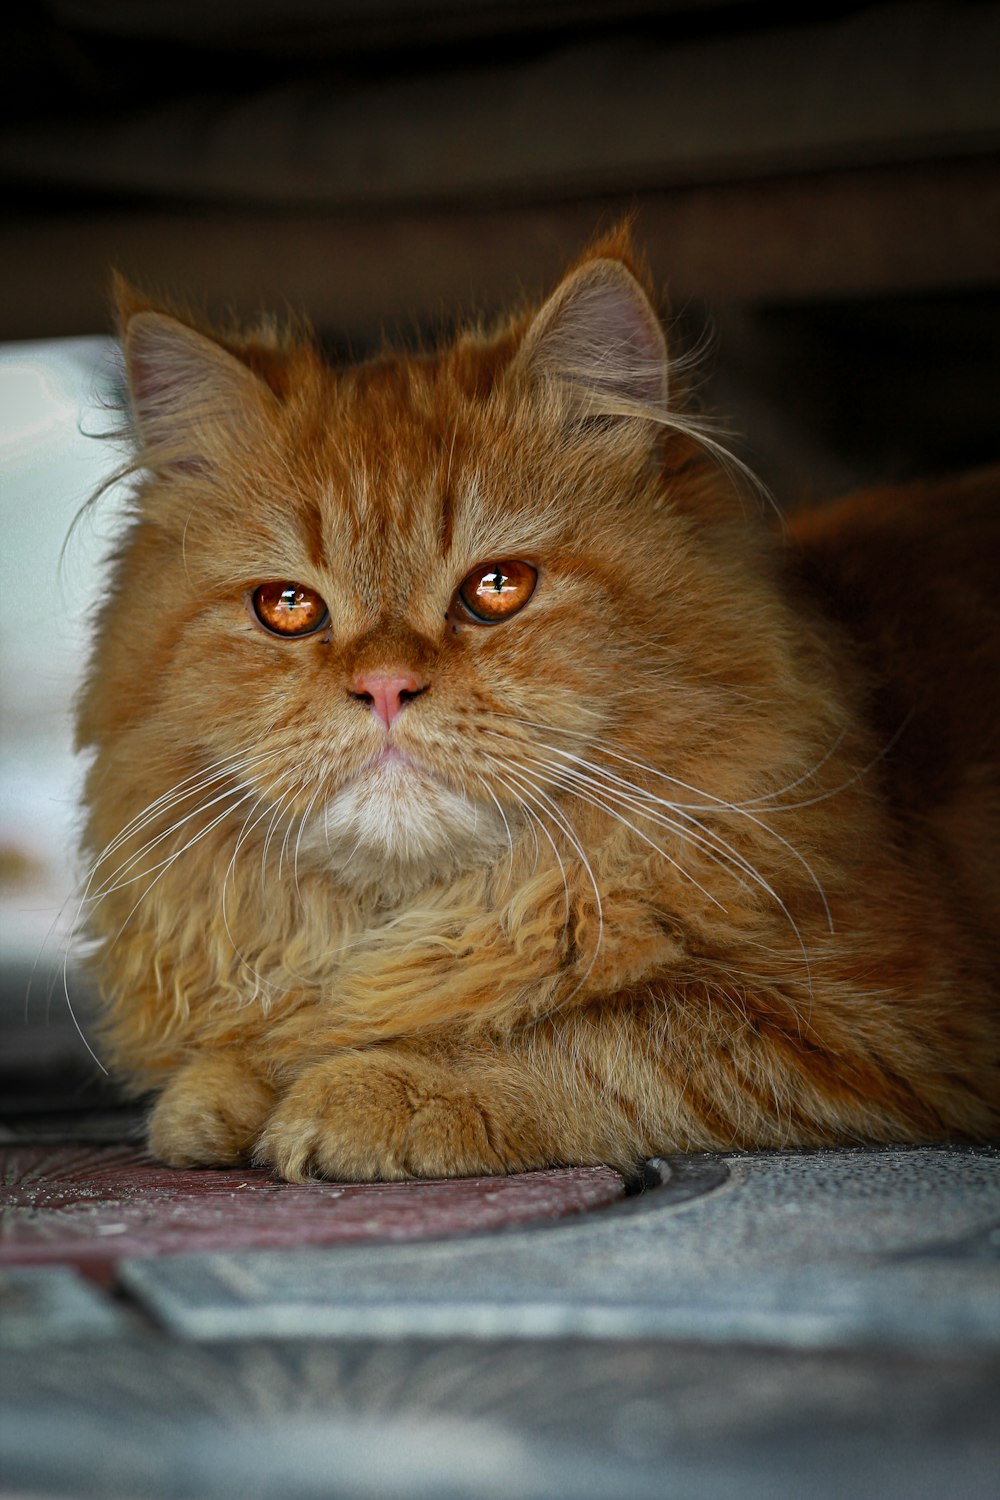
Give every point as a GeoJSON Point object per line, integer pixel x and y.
{"type": "Point", "coordinates": [210, 1114]}
{"type": "Point", "coordinates": [382, 1115]}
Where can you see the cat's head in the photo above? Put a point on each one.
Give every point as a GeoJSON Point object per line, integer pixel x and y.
{"type": "Point", "coordinates": [393, 601]}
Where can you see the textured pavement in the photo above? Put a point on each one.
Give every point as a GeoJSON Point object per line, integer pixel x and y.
{"type": "Point", "coordinates": [810, 1325]}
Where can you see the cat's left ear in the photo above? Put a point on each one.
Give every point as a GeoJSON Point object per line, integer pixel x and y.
{"type": "Point", "coordinates": [599, 337]}
{"type": "Point", "coordinates": [190, 396]}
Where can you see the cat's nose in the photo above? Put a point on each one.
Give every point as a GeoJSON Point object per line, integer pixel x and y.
{"type": "Point", "coordinates": [387, 693]}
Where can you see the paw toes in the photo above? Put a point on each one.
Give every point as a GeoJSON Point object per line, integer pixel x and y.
{"type": "Point", "coordinates": [449, 1138]}
{"type": "Point", "coordinates": [365, 1119]}
{"type": "Point", "coordinates": [286, 1147]}
{"type": "Point", "coordinates": [208, 1115]}
{"type": "Point", "coordinates": [192, 1137]}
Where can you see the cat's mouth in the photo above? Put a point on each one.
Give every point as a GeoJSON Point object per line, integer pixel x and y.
{"type": "Point", "coordinates": [391, 769]}
{"type": "Point", "coordinates": [394, 774]}
{"type": "Point", "coordinates": [389, 758]}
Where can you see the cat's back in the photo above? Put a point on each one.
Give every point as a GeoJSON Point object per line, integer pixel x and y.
{"type": "Point", "coordinates": [911, 573]}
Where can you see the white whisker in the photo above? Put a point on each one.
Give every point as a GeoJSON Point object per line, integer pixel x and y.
{"type": "Point", "coordinates": [118, 884]}
{"type": "Point", "coordinates": [607, 784]}
{"type": "Point", "coordinates": [166, 864]}
{"type": "Point", "coordinates": [684, 808]}
{"type": "Point", "coordinates": [298, 841]}
{"type": "Point", "coordinates": [596, 792]}
{"type": "Point", "coordinates": [180, 792]}
{"type": "Point", "coordinates": [536, 820]}
{"type": "Point", "coordinates": [280, 808]}
{"type": "Point", "coordinates": [244, 834]}
{"type": "Point", "coordinates": [563, 823]}
{"type": "Point", "coordinates": [510, 841]}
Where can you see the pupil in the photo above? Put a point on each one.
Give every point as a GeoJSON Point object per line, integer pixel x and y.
{"type": "Point", "coordinates": [498, 580]}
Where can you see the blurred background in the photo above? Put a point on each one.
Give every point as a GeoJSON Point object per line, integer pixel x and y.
{"type": "Point", "coordinates": [820, 179]}
{"type": "Point", "coordinates": [817, 189]}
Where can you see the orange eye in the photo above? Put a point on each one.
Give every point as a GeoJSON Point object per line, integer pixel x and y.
{"type": "Point", "coordinates": [289, 609]}
{"type": "Point", "coordinates": [496, 591]}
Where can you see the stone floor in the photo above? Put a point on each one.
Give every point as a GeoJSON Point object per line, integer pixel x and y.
{"type": "Point", "coordinates": [810, 1325]}
{"type": "Point", "coordinates": [786, 1324]}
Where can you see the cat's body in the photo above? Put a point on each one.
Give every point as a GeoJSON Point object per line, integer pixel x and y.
{"type": "Point", "coordinates": [686, 841]}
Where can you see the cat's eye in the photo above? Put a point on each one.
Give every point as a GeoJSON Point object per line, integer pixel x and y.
{"type": "Point", "coordinates": [497, 590]}
{"type": "Point", "coordinates": [289, 609]}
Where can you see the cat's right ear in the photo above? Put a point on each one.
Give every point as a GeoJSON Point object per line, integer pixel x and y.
{"type": "Point", "coordinates": [189, 396]}
{"type": "Point", "coordinates": [598, 339]}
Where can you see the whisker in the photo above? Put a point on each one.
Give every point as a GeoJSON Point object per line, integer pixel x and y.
{"type": "Point", "coordinates": [716, 804]}
{"type": "Point", "coordinates": [112, 882]}
{"type": "Point", "coordinates": [564, 824]}
{"type": "Point", "coordinates": [510, 841]}
{"type": "Point", "coordinates": [799, 780]}
{"type": "Point", "coordinates": [280, 808]}
{"type": "Point", "coordinates": [188, 786]}
{"type": "Point", "coordinates": [851, 780]}
{"type": "Point", "coordinates": [604, 748]}
{"type": "Point", "coordinates": [117, 884]}
{"type": "Point", "coordinates": [536, 820]}
{"type": "Point", "coordinates": [594, 800]}
{"type": "Point", "coordinates": [180, 791]}
{"type": "Point", "coordinates": [637, 798]}
{"type": "Point", "coordinates": [166, 864]}
{"type": "Point", "coordinates": [79, 1029]}
{"type": "Point", "coordinates": [709, 839]}
{"type": "Point", "coordinates": [244, 834]}
{"type": "Point", "coordinates": [298, 841]}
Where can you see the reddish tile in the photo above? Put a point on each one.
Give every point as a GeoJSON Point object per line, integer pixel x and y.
{"type": "Point", "coordinates": [92, 1206]}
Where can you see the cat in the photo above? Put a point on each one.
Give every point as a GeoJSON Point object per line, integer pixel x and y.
{"type": "Point", "coordinates": [482, 780]}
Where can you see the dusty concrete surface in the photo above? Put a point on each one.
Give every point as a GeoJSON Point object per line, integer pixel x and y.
{"type": "Point", "coordinates": [789, 1324]}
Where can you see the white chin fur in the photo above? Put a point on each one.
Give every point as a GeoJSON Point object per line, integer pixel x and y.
{"type": "Point", "coordinates": [396, 820]}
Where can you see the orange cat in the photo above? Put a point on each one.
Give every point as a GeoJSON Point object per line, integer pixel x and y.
{"type": "Point", "coordinates": [481, 782]}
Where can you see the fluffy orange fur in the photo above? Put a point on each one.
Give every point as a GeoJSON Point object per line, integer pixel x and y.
{"type": "Point", "coordinates": [693, 851]}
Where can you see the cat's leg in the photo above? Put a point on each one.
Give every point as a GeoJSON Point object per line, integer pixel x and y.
{"type": "Point", "coordinates": [399, 1111]}
{"type": "Point", "coordinates": [211, 1112]}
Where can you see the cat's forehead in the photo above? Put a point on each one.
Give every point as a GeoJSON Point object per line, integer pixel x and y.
{"type": "Point", "coordinates": [411, 465]}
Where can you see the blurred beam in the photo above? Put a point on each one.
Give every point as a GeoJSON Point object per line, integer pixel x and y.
{"type": "Point", "coordinates": [640, 111]}
{"type": "Point", "coordinates": [862, 233]}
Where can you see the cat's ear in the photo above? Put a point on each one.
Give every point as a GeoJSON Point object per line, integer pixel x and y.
{"type": "Point", "coordinates": [599, 336]}
{"type": "Point", "coordinates": [186, 390]}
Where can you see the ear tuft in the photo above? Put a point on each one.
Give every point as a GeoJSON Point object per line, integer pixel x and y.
{"type": "Point", "coordinates": [599, 335]}
{"type": "Point", "coordinates": [127, 300]}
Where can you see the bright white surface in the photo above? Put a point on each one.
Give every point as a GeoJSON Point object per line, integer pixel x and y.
{"type": "Point", "coordinates": [54, 399]}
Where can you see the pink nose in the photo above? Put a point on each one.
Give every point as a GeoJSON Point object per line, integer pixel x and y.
{"type": "Point", "coordinates": [386, 693]}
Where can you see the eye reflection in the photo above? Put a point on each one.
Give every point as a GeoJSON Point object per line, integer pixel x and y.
{"type": "Point", "coordinates": [289, 609]}
{"type": "Point", "coordinates": [497, 590]}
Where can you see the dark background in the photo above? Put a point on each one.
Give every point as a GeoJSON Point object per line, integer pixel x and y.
{"type": "Point", "coordinates": [817, 186]}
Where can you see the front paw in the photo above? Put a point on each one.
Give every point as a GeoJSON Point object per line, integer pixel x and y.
{"type": "Point", "coordinates": [210, 1114]}
{"type": "Point", "coordinates": [383, 1115]}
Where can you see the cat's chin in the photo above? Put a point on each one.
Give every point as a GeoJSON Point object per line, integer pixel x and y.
{"type": "Point", "coordinates": [398, 824]}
